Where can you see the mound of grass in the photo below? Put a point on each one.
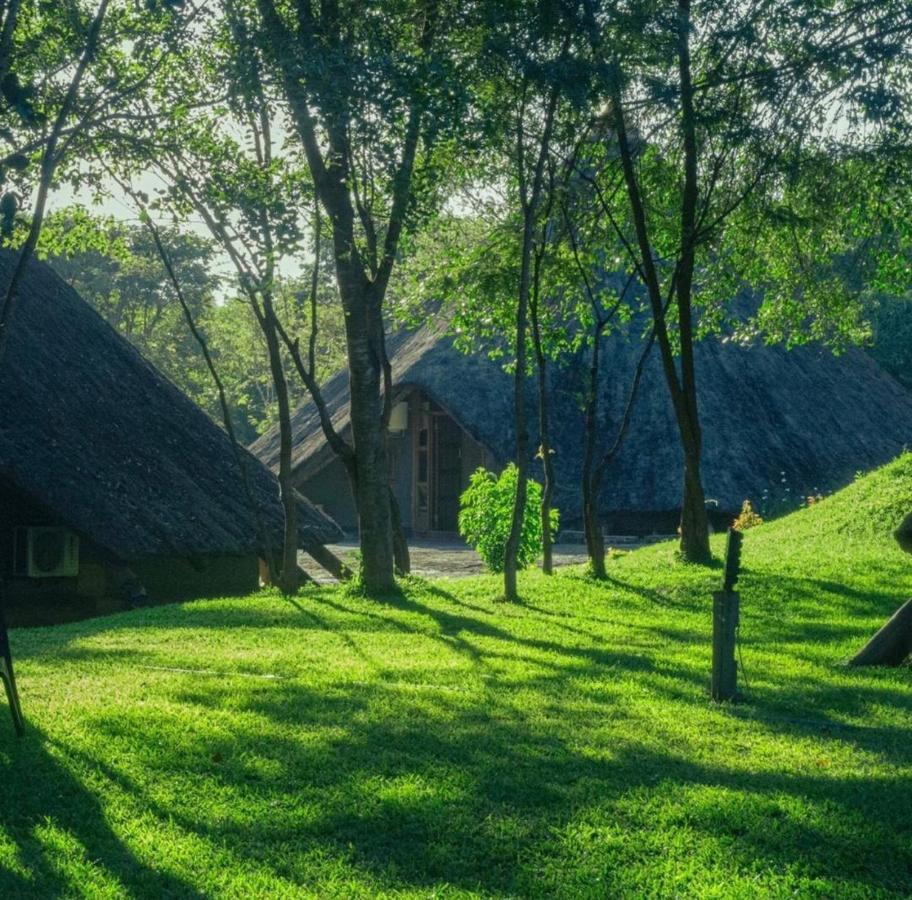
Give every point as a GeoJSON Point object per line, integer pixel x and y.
{"type": "Point", "coordinates": [871, 508]}
{"type": "Point", "coordinates": [441, 744]}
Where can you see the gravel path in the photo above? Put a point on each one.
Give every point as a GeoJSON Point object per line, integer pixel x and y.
{"type": "Point", "coordinates": [440, 558]}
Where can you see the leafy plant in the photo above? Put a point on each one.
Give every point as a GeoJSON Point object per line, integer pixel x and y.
{"type": "Point", "coordinates": [485, 515]}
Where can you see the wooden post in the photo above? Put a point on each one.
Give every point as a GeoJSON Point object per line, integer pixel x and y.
{"type": "Point", "coordinates": [725, 623]}
{"type": "Point", "coordinates": [330, 562]}
{"type": "Point", "coordinates": [9, 678]}
{"type": "Point", "coordinates": [891, 645]}
{"type": "Point", "coordinates": [726, 605]}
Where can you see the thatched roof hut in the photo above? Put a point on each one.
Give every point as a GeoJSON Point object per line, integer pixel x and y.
{"type": "Point", "coordinates": [94, 437]}
{"type": "Point", "coordinates": [803, 420]}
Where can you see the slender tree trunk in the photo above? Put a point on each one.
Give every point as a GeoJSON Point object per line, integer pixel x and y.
{"type": "Point", "coordinates": [511, 555]}
{"type": "Point", "coordinates": [544, 417]}
{"type": "Point", "coordinates": [288, 576]}
{"type": "Point", "coordinates": [530, 191]}
{"type": "Point", "coordinates": [401, 556]}
{"type": "Point", "coordinates": [694, 521]}
{"type": "Point", "coordinates": [237, 449]}
{"type": "Point", "coordinates": [548, 486]}
{"type": "Point", "coordinates": [49, 158]}
{"type": "Point", "coordinates": [595, 543]}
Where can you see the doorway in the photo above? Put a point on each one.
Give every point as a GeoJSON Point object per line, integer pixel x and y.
{"type": "Point", "coordinates": [438, 469]}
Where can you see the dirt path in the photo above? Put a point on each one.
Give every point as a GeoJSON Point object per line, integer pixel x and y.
{"type": "Point", "coordinates": [446, 558]}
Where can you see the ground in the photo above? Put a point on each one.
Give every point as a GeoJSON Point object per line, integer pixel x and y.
{"type": "Point", "coordinates": [442, 557]}
{"type": "Point", "coordinates": [439, 743]}
{"type": "Point", "coordinates": [438, 557]}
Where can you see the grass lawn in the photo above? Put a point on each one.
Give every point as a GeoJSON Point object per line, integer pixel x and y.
{"type": "Point", "coordinates": [442, 744]}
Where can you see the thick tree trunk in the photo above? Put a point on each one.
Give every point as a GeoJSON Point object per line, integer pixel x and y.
{"type": "Point", "coordinates": [288, 576]}
{"type": "Point", "coordinates": [371, 483]}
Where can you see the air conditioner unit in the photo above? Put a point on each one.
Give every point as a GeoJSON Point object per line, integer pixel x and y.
{"type": "Point", "coordinates": [53, 552]}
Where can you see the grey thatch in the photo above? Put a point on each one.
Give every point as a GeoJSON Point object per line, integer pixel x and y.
{"type": "Point", "coordinates": [94, 433]}
{"type": "Point", "coordinates": [773, 419]}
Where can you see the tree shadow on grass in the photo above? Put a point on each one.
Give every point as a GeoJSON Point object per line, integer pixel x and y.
{"type": "Point", "coordinates": [470, 791]}
{"type": "Point", "coordinates": [456, 629]}
{"type": "Point", "coordinates": [414, 786]}
{"type": "Point", "coordinates": [59, 836]}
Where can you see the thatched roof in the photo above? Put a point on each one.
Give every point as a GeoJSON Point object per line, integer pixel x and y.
{"type": "Point", "coordinates": [92, 431]}
{"type": "Point", "coordinates": [804, 415]}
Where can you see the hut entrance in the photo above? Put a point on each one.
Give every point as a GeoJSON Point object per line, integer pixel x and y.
{"type": "Point", "coordinates": [448, 441]}
{"type": "Point", "coordinates": [439, 472]}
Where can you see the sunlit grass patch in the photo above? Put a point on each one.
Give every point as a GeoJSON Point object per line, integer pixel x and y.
{"type": "Point", "coordinates": [444, 744]}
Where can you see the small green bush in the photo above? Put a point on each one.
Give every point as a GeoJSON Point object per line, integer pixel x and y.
{"type": "Point", "coordinates": [486, 511]}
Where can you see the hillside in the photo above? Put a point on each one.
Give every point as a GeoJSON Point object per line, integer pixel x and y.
{"type": "Point", "coordinates": [445, 745]}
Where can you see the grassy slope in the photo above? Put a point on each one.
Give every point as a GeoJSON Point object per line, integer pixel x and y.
{"type": "Point", "coordinates": [442, 744]}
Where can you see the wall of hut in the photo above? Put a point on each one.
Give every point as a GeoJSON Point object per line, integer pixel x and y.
{"type": "Point", "coordinates": [410, 478]}
{"type": "Point", "coordinates": [103, 584]}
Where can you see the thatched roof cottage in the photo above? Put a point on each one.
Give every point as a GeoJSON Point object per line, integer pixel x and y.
{"type": "Point", "coordinates": [110, 475]}
{"type": "Point", "coordinates": [775, 421]}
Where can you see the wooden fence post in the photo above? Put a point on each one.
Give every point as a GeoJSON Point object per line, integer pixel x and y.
{"type": "Point", "coordinates": [724, 667]}
{"type": "Point", "coordinates": [726, 610]}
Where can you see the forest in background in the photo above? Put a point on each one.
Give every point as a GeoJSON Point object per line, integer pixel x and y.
{"type": "Point", "coordinates": [121, 276]}
{"type": "Point", "coordinates": [115, 266]}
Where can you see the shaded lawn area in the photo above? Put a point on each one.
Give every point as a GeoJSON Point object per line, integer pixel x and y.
{"type": "Point", "coordinates": [443, 744]}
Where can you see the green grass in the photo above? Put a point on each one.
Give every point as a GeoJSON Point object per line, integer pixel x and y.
{"type": "Point", "coordinates": [442, 744]}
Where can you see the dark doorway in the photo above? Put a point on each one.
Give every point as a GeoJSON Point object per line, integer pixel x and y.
{"type": "Point", "coordinates": [448, 474]}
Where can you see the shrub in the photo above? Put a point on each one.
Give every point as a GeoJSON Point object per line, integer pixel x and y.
{"type": "Point", "coordinates": [747, 518]}
{"type": "Point", "coordinates": [486, 511]}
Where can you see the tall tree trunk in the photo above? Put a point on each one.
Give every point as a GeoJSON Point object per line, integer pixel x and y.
{"type": "Point", "coordinates": [544, 416]}
{"type": "Point", "coordinates": [595, 542]}
{"type": "Point", "coordinates": [530, 190]}
{"type": "Point", "coordinates": [694, 523]}
{"type": "Point", "coordinates": [288, 576]}
{"type": "Point", "coordinates": [511, 555]}
{"type": "Point", "coordinates": [363, 323]}
{"type": "Point", "coordinates": [239, 456]}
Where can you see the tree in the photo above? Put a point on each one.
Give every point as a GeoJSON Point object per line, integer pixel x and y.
{"type": "Point", "coordinates": [706, 107]}
{"type": "Point", "coordinates": [219, 162]}
{"type": "Point", "coordinates": [539, 90]}
{"type": "Point", "coordinates": [66, 76]}
{"type": "Point", "coordinates": [374, 96]}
